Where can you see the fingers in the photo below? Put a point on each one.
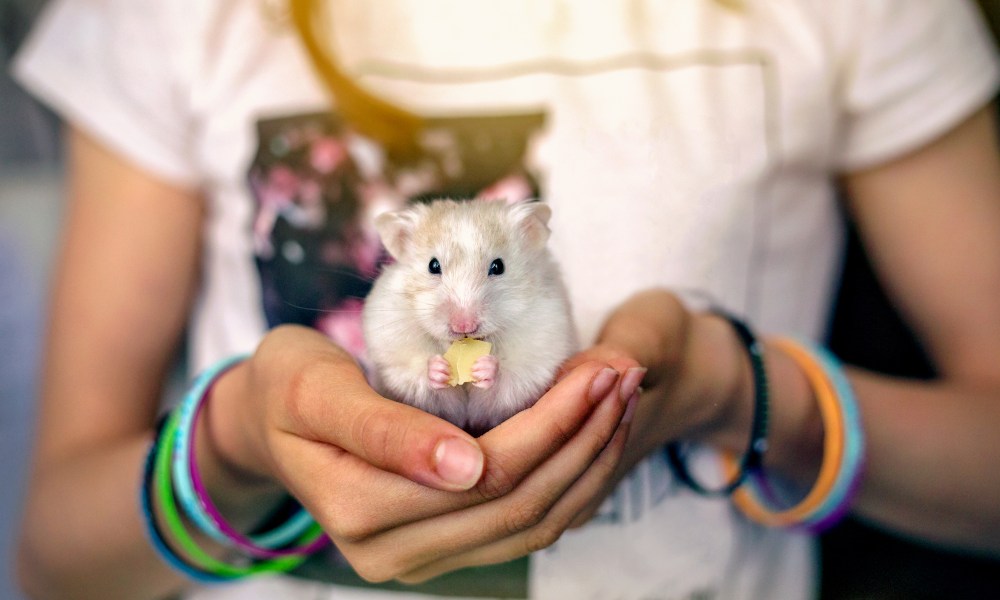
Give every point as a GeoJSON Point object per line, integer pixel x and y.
{"type": "Point", "coordinates": [597, 353]}
{"type": "Point", "coordinates": [523, 514]}
{"type": "Point", "coordinates": [383, 498]}
{"type": "Point", "coordinates": [581, 499]}
{"type": "Point", "coordinates": [518, 445]}
{"type": "Point", "coordinates": [653, 326]}
{"type": "Point", "coordinates": [358, 488]}
{"type": "Point", "coordinates": [378, 474]}
{"type": "Point", "coordinates": [388, 435]}
{"type": "Point", "coordinates": [353, 500]}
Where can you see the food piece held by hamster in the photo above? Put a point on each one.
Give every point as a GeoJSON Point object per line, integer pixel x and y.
{"type": "Point", "coordinates": [475, 269]}
{"type": "Point", "coordinates": [461, 355]}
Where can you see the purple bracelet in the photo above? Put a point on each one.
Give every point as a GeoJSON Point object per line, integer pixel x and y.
{"type": "Point", "coordinates": [237, 538]}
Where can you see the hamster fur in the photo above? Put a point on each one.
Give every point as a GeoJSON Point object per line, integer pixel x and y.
{"type": "Point", "coordinates": [493, 279]}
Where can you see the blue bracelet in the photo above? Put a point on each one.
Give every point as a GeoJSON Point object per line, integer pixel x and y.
{"type": "Point", "coordinates": [153, 531]}
{"type": "Point", "coordinates": [848, 478]}
{"type": "Point", "coordinates": [289, 531]}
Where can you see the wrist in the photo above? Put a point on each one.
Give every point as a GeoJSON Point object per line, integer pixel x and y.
{"type": "Point", "coordinates": [752, 457]}
{"type": "Point", "coordinates": [725, 384]}
{"type": "Point", "coordinates": [795, 430]}
{"type": "Point", "coordinates": [228, 452]}
{"type": "Point", "coordinates": [181, 473]}
{"type": "Point", "coordinates": [796, 438]}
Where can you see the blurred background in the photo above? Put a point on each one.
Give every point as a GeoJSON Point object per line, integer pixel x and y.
{"type": "Point", "coordinates": [859, 560]}
{"type": "Point", "coordinates": [30, 201]}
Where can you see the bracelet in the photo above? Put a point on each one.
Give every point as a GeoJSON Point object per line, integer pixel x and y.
{"type": "Point", "coordinates": [153, 531]}
{"type": "Point", "coordinates": [845, 488]}
{"type": "Point", "coordinates": [294, 527]}
{"type": "Point", "coordinates": [749, 501]}
{"type": "Point", "coordinates": [164, 495]}
{"type": "Point", "coordinates": [753, 458]}
{"type": "Point", "coordinates": [843, 451]}
{"type": "Point", "coordinates": [194, 497]}
{"type": "Point", "coordinates": [189, 558]}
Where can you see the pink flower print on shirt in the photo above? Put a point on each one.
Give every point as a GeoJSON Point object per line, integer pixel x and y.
{"type": "Point", "coordinates": [512, 188]}
{"type": "Point", "coordinates": [366, 253]}
{"type": "Point", "coordinates": [343, 326]}
{"type": "Point", "coordinates": [326, 154]}
{"type": "Point", "coordinates": [275, 192]}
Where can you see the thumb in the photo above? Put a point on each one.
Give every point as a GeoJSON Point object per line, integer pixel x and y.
{"type": "Point", "coordinates": [335, 405]}
{"type": "Point", "coordinates": [652, 327]}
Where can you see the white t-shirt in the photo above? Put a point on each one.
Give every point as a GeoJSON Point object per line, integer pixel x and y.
{"type": "Point", "coordinates": [680, 144]}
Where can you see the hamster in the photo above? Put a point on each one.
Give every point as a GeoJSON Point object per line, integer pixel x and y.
{"type": "Point", "coordinates": [478, 269]}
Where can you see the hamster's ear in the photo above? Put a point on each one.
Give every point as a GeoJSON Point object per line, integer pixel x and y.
{"type": "Point", "coordinates": [532, 218]}
{"type": "Point", "coordinates": [395, 229]}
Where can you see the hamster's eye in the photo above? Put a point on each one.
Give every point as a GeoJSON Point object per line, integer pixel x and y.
{"type": "Point", "coordinates": [496, 267]}
{"type": "Point", "coordinates": [434, 267]}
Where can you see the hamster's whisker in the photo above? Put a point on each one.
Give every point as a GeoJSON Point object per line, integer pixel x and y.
{"type": "Point", "coordinates": [320, 310]}
{"type": "Point", "coordinates": [346, 272]}
{"type": "Point", "coordinates": [427, 310]}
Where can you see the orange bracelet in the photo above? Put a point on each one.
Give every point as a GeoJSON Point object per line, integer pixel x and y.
{"type": "Point", "coordinates": [833, 449]}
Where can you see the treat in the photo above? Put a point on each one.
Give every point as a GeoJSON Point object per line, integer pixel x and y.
{"type": "Point", "coordinates": [461, 355]}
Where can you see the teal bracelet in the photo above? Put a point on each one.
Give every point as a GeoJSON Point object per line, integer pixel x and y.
{"type": "Point", "coordinates": [198, 561]}
{"type": "Point", "coordinates": [850, 459]}
{"type": "Point", "coordinates": [852, 466]}
{"type": "Point", "coordinates": [153, 531]}
{"type": "Point", "coordinates": [182, 462]}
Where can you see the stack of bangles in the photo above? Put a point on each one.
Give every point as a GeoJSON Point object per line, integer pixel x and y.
{"type": "Point", "coordinates": [843, 445]}
{"type": "Point", "coordinates": [171, 477]}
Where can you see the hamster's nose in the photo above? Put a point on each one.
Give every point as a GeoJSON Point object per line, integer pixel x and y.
{"type": "Point", "coordinates": [464, 322]}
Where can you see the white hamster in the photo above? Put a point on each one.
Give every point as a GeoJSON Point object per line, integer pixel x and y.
{"type": "Point", "coordinates": [479, 269]}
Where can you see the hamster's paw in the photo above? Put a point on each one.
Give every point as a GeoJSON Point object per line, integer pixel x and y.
{"type": "Point", "coordinates": [438, 372]}
{"type": "Point", "coordinates": [484, 371]}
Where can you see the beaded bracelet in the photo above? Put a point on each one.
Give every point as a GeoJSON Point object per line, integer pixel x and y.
{"type": "Point", "coordinates": [749, 502]}
{"type": "Point", "coordinates": [194, 497]}
{"type": "Point", "coordinates": [843, 451]}
{"type": "Point", "coordinates": [753, 458]}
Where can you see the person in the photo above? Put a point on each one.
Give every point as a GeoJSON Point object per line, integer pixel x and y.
{"type": "Point", "coordinates": [689, 150]}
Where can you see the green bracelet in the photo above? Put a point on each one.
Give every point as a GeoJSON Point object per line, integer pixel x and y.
{"type": "Point", "coordinates": [193, 553]}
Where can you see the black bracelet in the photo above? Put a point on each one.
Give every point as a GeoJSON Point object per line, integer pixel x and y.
{"type": "Point", "coordinates": [754, 457]}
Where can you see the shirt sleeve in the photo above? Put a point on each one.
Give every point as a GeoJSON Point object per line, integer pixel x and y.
{"type": "Point", "coordinates": [110, 67]}
{"type": "Point", "coordinates": [913, 70]}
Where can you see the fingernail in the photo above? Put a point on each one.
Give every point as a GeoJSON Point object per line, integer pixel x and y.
{"type": "Point", "coordinates": [602, 384]}
{"type": "Point", "coordinates": [631, 380]}
{"type": "Point", "coordinates": [458, 462]}
{"type": "Point", "coordinates": [633, 401]}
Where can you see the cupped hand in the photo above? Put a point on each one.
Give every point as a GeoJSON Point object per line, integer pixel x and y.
{"type": "Point", "coordinates": [651, 327]}
{"type": "Point", "coordinates": [406, 495]}
{"type": "Point", "coordinates": [692, 372]}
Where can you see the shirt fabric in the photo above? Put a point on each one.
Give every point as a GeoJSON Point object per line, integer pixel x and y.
{"type": "Point", "coordinates": [680, 144]}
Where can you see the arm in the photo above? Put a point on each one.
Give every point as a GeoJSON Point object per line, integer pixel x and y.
{"type": "Point", "coordinates": [932, 222]}
{"type": "Point", "coordinates": [123, 284]}
{"type": "Point", "coordinates": [299, 407]}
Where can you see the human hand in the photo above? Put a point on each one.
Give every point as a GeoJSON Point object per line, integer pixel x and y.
{"type": "Point", "coordinates": [404, 494]}
{"type": "Point", "coordinates": [692, 374]}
